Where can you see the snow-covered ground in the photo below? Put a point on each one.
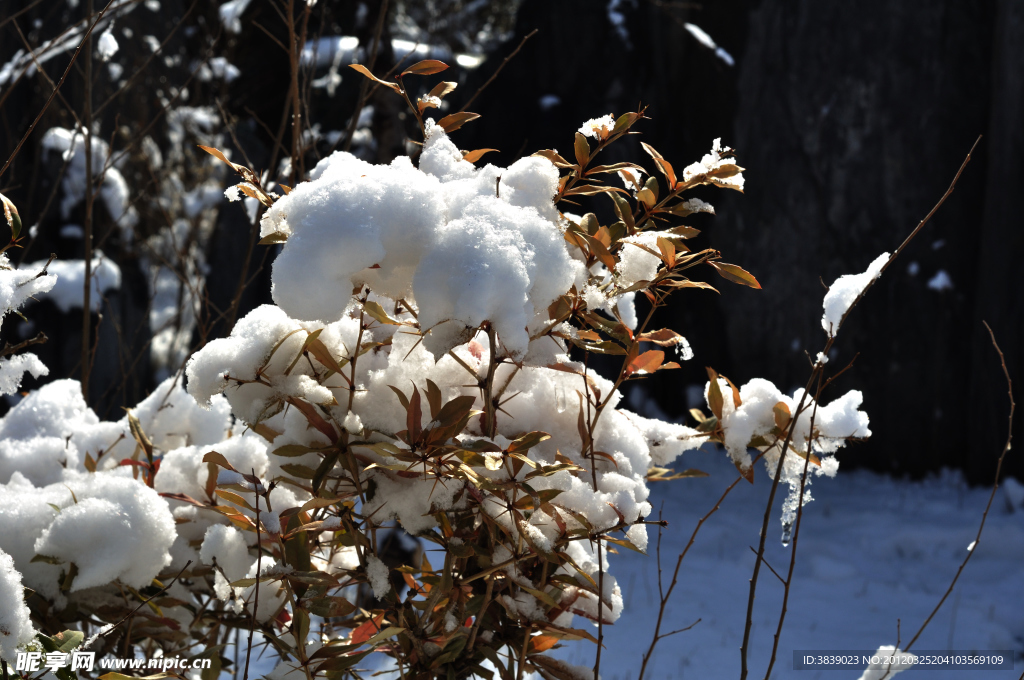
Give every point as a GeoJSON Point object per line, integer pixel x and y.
{"type": "Point", "coordinates": [872, 550]}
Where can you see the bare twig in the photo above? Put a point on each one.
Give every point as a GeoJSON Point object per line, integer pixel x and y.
{"type": "Point", "coordinates": [256, 586]}
{"type": "Point", "coordinates": [498, 70]}
{"type": "Point", "coordinates": [657, 637]}
{"type": "Point", "coordinates": [800, 409]}
{"type": "Point", "coordinates": [49, 99]}
{"type": "Point", "coordinates": [364, 91]}
{"type": "Point", "coordinates": [87, 221]}
{"type": "Point", "coordinates": [991, 496]}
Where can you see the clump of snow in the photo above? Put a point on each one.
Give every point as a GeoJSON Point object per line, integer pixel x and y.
{"type": "Point", "coordinates": [756, 416]}
{"type": "Point", "coordinates": [707, 41]}
{"type": "Point", "coordinates": [68, 292]}
{"type": "Point", "coordinates": [114, 189]}
{"type": "Point", "coordinates": [13, 369]}
{"type": "Point", "coordinates": [842, 293]}
{"type": "Point", "coordinates": [108, 524]}
{"type": "Point", "coordinates": [378, 574]}
{"type": "Point", "coordinates": [637, 262]}
{"type": "Point", "coordinates": [940, 281]}
{"type": "Point", "coordinates": [226, 546]}
{"type": "Point", "coordinates": [231, 15]}
{"type": "Point", "coordinates": [397, 228]}
{"type": "Point", "coordinates": [106, 46]}
{"type": "Point", "coordinates": [598, 128]}
{"type": "Point", "coordinates": [19, 285]}
{"type": "Point", "coordinates": [15, 626]}
{"type": "Point", "coordinates": [884, 667]}
{"type": "Point", "coordinates": [712, 162]}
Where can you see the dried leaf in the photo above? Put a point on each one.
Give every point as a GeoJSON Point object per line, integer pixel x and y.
{"type": "Point", "coordinates": [735, 274]}
{"type": "Point", "coordinates": [454, 121]}
{"type": "Point", "coordinates": [441, 89]}
{"type": "Point", "coordinates": [427, 67]}
{"type": "Point", "coordinates": [474, 156]}
{"type": "Point", "coordinates": [582, 149]}
{"type": "Point", "coordinates": [366, 72]}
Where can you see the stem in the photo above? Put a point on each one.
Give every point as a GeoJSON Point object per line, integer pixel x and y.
{"type": "Point", "coordinates": [796, 534]}
{"type": "Point", "coordinates": [991, 496]}
{"type": "Point", "coordinates": [490, 414]}
{"type": "Point", "coordinates": [256, 587]}
{"type": "Point", "coordinates": [87, 222]}
{"type": "Point", "coordinates": [480, 616]}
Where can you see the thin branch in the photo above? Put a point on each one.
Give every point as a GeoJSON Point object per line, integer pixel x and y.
{"type": "Point", "coordinates": [498, 70]}
{"type": "Point", "coordinates": [995, 486]}
{"type": "Point", "coordinates": [49, 99]}
{"type": "Point", "coordinates": [364, 92]}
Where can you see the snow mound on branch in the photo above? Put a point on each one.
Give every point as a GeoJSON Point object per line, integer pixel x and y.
{"type": "Point", "coordinates": [12, 370]}
{"type": "Point", "coordinates": [68, 292]}
{"type": "Point", "coordinates": [468, 244]}
{"type": "Point", "coordinates": [18, 285]}
{"type": "Point", "coordinates": [108, 524]}
{"type": "Point", "coordinates": [842, 293]}
{"type": "Point", "coordinates": [15, 626]}
{"type": "Point", "coordinates": [51, 430]}
{"type": "Point", "coordinates": [755, 417]}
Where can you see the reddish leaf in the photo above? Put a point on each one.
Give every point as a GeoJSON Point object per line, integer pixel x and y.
{"type": "Point", "coordinates": [314, 418]}
{"type": "Point", "coordinates": [648, 362]}
{"type": "Point", "coordinates": [366, 630]}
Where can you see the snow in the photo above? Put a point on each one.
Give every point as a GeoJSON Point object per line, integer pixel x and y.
{"type": "Point", "coordinates": [113, 190]}
{"type": "Point", "coordinates": [715, 161]}
{"type": "Point", "coordinates": [844, 290]}
{"type": "Point", "coordinates": [413, 223]}
{"type": "Point", "coordinates": [598, 128]}
{"type": "Point", "coordinates": [106, 46]}
{"type": "Point", "coordinates": [108, 524]}
{"type": "Point", "coordinates": [15, 627]}
{"type": "Point", "coordinates": [940, 281]}
{"type": "Point", "coordinates": [13, 369]}
{"type": "Point", "coordinates": [226, 546]}
{"type": "Point", "coordinates": [19, 285]}
{"type": "Point", "coordinates": [885, 668]}
{"type": "Point", "coordinates": [704, 39]}
{"type": "Point", "coordinates": [68, 292]}
{"type": "Point", "coordinates": [549, 101]}
{"type": "Point", "coordinates": [873, 550]}
{"type": "Point", "coordinates": [378, 574]}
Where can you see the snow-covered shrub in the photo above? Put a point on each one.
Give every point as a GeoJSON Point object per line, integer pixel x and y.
{"type": "Point", "coordinates": [415, 372]}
